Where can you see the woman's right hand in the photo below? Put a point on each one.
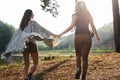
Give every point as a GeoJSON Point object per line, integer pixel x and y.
{"type": "Point", "coordinates": [55, 35]}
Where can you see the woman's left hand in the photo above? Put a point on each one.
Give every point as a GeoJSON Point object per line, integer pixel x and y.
{"type": "Point", "coordinates": [98, 38]}
{"type": "Point", "coordinates": [55, 35]}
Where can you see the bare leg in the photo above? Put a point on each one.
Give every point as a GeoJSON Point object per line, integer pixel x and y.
{"type": "Point", "coordinates": [78, 58]}
{"type": "Point", "coordinates": [85, 53]}
{"type": "Point", "coordinates": [26, 67]}
{"type": "Point", "coordinates": [35, 62]}
{"type": "Point", "coordinates": [78, 48]}
{"type": "Point", "coordinates": [78, 62]}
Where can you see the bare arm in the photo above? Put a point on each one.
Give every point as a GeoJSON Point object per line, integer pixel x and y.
{"type": "Point", "coordinates": [93, 28]}
{"type": "Point", "coordinates": [70, 27]}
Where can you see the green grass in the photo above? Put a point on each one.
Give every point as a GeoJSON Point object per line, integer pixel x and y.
{"type": "Point", "coordinates": [73, 51]}
{"type": "Point", "coordinates": [18, 59]}
{"type": "Point", "coordinates": [5, 65]}
{"type": "Point", "coordinates": [101, 51]}
{"type": "Point", "coordinates": [3, 62]}
{"type": "Point", "coordinates": [57, 52]}
{"type": "Point", "coordinates": [59, 55]}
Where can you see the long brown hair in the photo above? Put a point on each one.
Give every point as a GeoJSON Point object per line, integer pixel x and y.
{"type": "Point", "coordinates": [26, 18]}
{"type": "Point", "coordinates": [81, 7]}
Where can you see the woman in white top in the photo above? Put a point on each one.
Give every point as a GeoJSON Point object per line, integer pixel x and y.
{"type": "Point", "coordinates": [24, 40]}
{"type": "Point", "coordinates": [31, 47]}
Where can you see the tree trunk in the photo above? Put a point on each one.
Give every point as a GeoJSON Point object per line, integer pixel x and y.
{"type": "Point", "coordinates": [116, 22]}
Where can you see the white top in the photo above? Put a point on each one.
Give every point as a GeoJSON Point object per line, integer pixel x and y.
{"type": "Point", "coordinates": [33, 32]}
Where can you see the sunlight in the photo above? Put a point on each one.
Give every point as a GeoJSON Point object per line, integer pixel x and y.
{"type": "Point", "coordinates": [101, 10]}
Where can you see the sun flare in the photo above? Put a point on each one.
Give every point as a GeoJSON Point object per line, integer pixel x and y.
{"type": "Point", "coordinates": [101, 10]}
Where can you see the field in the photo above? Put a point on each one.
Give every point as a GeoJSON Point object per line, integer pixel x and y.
{"type": "Point", "coordinates": [57, 65]}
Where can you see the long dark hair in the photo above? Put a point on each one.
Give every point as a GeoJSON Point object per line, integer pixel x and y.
{"type": "Point", "coordinates": [25, 19]}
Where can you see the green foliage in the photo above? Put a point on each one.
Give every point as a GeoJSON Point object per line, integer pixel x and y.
{"type": "Point", "coordinates": [6, 32]}
{"type": "Point", "coordinates": [3, 62]}
{"type": "Point", "coordinates": [106, 34]}
{"type": "Point", "coordinates": [66, 43]}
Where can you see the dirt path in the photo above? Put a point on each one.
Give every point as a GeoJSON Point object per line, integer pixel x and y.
{"type": "Point", "coordinates": [101, 67]}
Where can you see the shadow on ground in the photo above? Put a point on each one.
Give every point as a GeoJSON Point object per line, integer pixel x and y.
{"type": "Point", "coordinates": [44, 72]}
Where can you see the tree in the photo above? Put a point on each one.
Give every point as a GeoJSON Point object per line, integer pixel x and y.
{"type": "Point", "coordinates": [116, 20]}
{"type": "Point", "coordinates": [6, 32]}
{"type": "Point", "coordinates": [50, 6]}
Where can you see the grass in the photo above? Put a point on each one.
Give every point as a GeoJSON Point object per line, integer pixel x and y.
{"type": "Point", "coordinates": [101, 51]}
{"type": "Point", "coordinates": [58, 54]}
{"type": "Point", "coordinates": [101, 66]}
{"type": "Point", "coordinates": [73, 51]}
{"type": "Point", "coordinates": [18, 59]}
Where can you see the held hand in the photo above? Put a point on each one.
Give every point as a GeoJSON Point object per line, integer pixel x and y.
{"type": "Point", "coordinates": [59, 36]}
{"type": "Point", "coordinates": [55, 35]}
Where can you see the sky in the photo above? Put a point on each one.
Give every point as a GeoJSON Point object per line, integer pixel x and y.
{"type": "Point", "coordinates": [12, 12]}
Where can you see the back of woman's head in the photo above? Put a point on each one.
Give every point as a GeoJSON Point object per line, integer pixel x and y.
{"type": "Point", "coordinates": [26, 18]}
{"type": "Point", "coordinates": [80, 7]}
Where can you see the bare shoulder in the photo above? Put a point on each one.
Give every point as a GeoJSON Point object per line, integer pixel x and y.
{"type": "Point", "coordinates": [75, 16]}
